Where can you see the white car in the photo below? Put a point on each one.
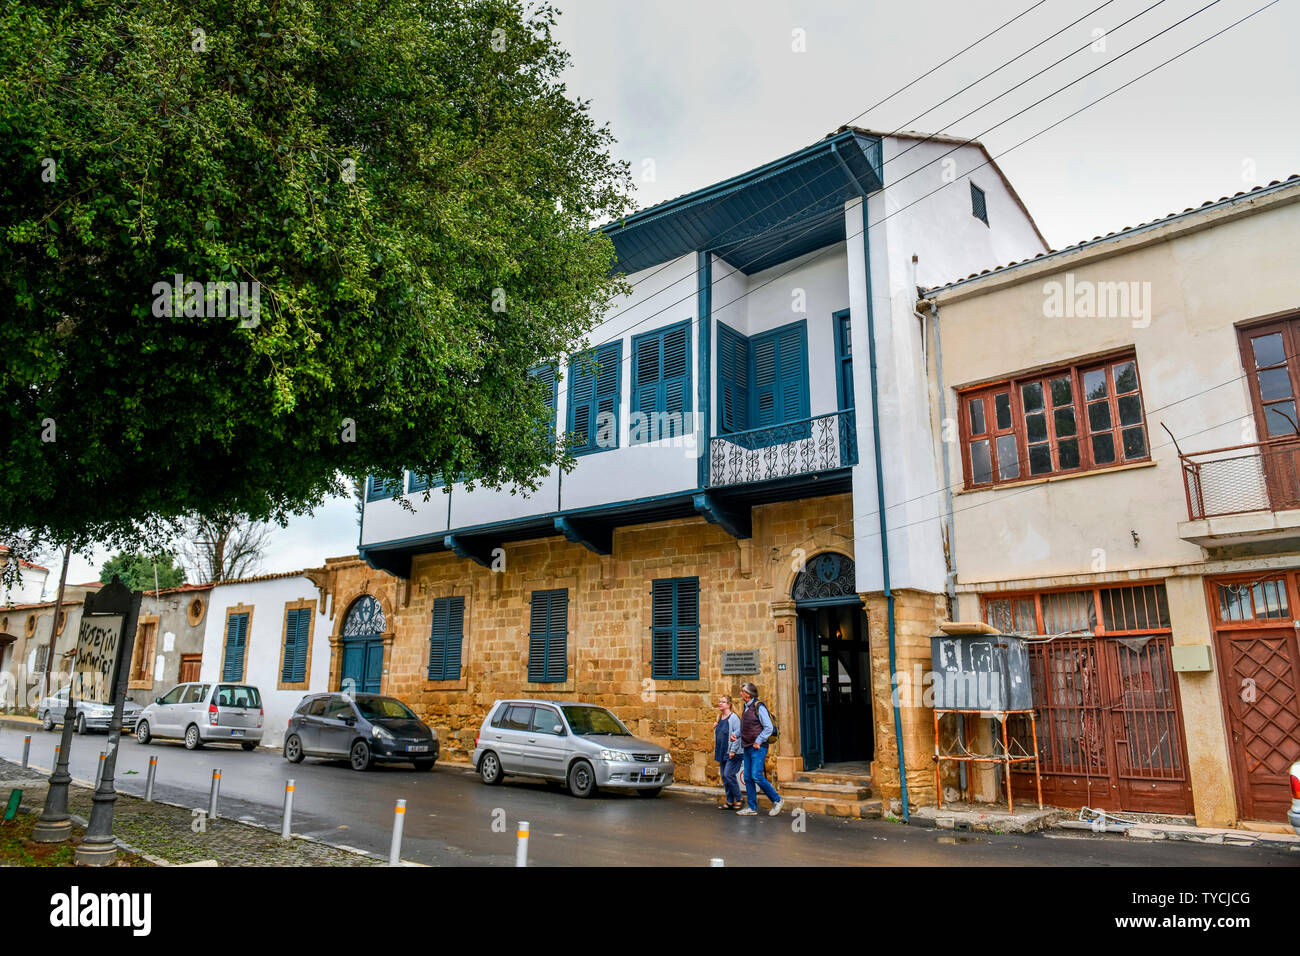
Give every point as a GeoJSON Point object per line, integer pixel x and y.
{"type": "Point", "coordinates": [91, 714]}
{"type": "Point", "coordinates": [205, 713]}
{"type": "Point", "coordinates": [1293, 815]}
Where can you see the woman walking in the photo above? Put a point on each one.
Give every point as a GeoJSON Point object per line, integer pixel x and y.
{"type": "Point", "coordinates": [727, 752]}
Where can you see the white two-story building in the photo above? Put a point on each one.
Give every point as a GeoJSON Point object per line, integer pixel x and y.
{"type": "Point", "coordinates": [724, 521]}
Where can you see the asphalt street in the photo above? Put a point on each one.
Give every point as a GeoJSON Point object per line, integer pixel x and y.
{"type": "Point", "coordinates": [453, 819]}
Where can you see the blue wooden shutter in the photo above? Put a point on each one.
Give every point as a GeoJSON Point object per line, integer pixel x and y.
{"type": "Point", "coordinates": [379, 489]}
{"type": "Point", "coordinates": [548, 636]}
{"type": "Point", "coordinates": [661, 381]}
{"type": "Point", "coordinates": [293, 669]}
{"type": "Point", "coordinates": [675, 624]}
{"type": "Point", "coordinates": [733, 381]}
{"type": "Point", "coordinates": [546, 375]}
{"type": "Point", "coordinates": [780, 377]}
{"type": "Point", "coordinates": [594, 385]}
{"type": "Point", "coordinates": [446, 638]}
{"type": "Point", "coordinates": [236, 637]}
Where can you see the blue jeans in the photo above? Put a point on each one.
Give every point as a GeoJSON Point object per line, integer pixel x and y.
{"type": "Point", "coordinates": [730, 770]}
{"type": "Point", "coordinates": [755, 757]}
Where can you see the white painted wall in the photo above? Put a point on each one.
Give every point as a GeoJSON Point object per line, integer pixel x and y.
{"type": "Point", "coordinates": [263, 661]}
{"type": "Point", "coordinates": [29, 590]}
{"type": "Point", "coordinates": [1192, 377]}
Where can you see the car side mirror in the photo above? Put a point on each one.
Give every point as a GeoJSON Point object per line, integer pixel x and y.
{"type": "Point", "coordinates": [157, 700]}
{"type": "Point", "coordinates": [559, 731]}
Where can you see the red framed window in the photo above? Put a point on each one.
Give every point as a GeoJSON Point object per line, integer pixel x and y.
{"type": "Point", "coordinates": [1070, 419]}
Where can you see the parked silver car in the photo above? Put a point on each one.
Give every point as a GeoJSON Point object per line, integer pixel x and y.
{"type": "Point", "coordinates": [583, 745]}
{"type": "Point", "coordinates": [205, 713]}
{"type": "Point", "coordinates": [91, 715]}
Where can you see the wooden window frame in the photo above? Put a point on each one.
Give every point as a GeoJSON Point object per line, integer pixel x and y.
{"type": "Point", "coordinates": [585, 371]}
{"type": "Point", "coordinates": [549, 636]}
{"type": "Point", "coordinates": [983, 202]}
{"type": "Point", "coordinates": [140, 652]}
{"type": "Point", "coordinates": [1083, 432]}
{"type": "Point", "coordinates": [1289, 327]}
{"type": "Point", "coordinates": [301, 604]}
{"type": "Point", "coordinates": [233, 611]}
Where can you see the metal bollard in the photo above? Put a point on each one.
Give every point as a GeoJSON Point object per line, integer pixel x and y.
{"type": "Point", "coordinates": [288, 809]}
{"type": "Point", "coordinates": [521, 850]}
{"type": "Point", "coordinates": [716, 861]}
{"type": "Point", "coordinates": [399, 812]}
{"type": "Point", "coordinates": [56, 759]}
{"type": "Point", "coordinates": [99, 771]}
{"type": "Point", "coordinates": [148, 783]}
{"type": "Point", "coordinates": [212, 795]}
{"type": "Point", "coordinates": [27, 749]}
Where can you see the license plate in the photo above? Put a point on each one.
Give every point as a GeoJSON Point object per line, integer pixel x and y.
{"type": "Point", "coordinates": [236, 733]}
{"type": "Point", "coordinates": [417, 748]}
{"type": "Point", "coordinates": [649, 772]}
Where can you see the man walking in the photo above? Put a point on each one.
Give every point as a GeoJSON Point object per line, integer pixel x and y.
{"type": "Point", "coordinates": [755, 729]}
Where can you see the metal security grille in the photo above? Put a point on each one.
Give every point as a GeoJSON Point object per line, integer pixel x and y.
{"type": "Point", "coordinates": [1110, 730]}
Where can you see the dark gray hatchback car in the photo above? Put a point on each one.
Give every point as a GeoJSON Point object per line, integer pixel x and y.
{"type": "Point", "coordinates": [361, 729]}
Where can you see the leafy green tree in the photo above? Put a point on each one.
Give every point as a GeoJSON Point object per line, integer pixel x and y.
{"type": "Point", "coordinates": [404, 185]}
{"type": "Point", "coordinates": [137, 570]}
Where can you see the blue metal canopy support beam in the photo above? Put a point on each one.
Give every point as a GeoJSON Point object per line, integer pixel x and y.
{"type": "Point", "coordinates": [591, 535]}
{"type": "Point", "coordinates": [477, 551]}
{"type": "Point", "coordinates": [737, 523]}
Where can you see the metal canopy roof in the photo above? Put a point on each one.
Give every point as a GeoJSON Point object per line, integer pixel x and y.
{"type": "Point", "coordinates": [761, 218]}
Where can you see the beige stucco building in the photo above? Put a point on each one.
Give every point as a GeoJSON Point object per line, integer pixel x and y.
{"type": "Point", "coordinates": [1118, 426]}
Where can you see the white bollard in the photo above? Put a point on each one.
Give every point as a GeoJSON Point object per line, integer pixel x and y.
{"type": "Point", "coordinates": [521, 850]}
{"type": "Point", "coordinates": [716, 861]}
{"type": "Point", "coordinates": [213, 794]}
{"type": "Point", "coordinates": [99, 772]}
{"type": "Point", "coordinates": [288, 809]}
{"type": "Point", "coordinates": [394, 852]}
{"type": "Point", "coordinates": [148, 782]}
{"type": "Point", "coordinates": [27, 749]}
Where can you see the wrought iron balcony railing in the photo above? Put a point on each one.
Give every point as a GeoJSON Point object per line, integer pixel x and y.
{"type": "Point", "coordinates": [1263, 476]}
{"type": "Point", "coordinates": [804, 447]}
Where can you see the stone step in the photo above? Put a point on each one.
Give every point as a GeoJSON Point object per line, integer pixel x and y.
{"type": "Point", "coordinates": [835, 779]}
{"type": "Point", "coordinates": [832, 791]}
{"type": "Point", "coordinates": [833, 807]}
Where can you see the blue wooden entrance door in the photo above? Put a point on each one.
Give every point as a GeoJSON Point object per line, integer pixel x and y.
{"type": "Point", "coordinates": [363, 647]}
{"type": "Point", "coordinates": [810, 694]}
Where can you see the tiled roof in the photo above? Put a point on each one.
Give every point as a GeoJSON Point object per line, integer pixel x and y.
{"type": "Point", "coordinates": [257, 577]}
{"type": "Point", "coordinates": [1120, 233]}
{"type": "Point", "coordinates": [4, 549]}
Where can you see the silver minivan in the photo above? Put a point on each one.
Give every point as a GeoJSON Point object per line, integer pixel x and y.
{"type": "Point", "coordinates": [204, 713]}
{"type": "Point", "coordinates": [583, 745]}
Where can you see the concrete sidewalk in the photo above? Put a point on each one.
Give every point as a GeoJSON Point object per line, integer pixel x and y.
{"type": "Point", "coordinates": [167, 834]}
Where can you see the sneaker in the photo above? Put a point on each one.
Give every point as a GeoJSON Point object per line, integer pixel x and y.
{"type": "Point", "coordinates": [776, 808]}
{"type": "Point", "coordinates": [746, 812]}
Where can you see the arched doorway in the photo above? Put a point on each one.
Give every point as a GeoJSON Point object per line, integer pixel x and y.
{"type": "Point", "coordinates": [836, 722]}
{"type": "Point", "coordinates": [363, 647]}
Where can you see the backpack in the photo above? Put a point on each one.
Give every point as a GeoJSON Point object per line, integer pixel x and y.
{"type": "Point", "coordinates": [776, 730]}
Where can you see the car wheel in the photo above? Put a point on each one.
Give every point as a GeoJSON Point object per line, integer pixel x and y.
{"type": "Point", "coordinates": [650, 792]}
{"type": "Point", "coordinates": [47, 722]}
{"type": "Point", "coordinates": [80, 725]}
{"type": "Point", "coordinates": [192, 739]}
{"type": "Point", "coordinates": [293, 749]}
{"type": "Point", "coordinates": [582, 779]}
{"type": "Point", "coordinates": [142, 732]}
{"type": "Point", "coordinates": [247, 744]}
{"type": "Point", "coordinates": [424, 763]}
{"type": "Point", "coordinates": [489, 768]}
{"type": "Point", "coordinates": [360, 756]}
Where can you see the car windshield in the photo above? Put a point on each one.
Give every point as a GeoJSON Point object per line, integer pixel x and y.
{"type": "Point", "coordinates": [587, 721]}
{"type": "Point", "coordinates": [383, 708]}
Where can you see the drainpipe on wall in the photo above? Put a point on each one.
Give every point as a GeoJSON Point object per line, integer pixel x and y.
{"type": "Point", "coordinates": [884, 528]}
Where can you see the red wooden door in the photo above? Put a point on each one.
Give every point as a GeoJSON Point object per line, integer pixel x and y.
{"type": "Point", "coordinates": [1260, 684]}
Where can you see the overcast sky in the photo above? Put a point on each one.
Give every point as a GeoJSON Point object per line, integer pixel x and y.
{"type": "Point", "coordinates": [699, 91]}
